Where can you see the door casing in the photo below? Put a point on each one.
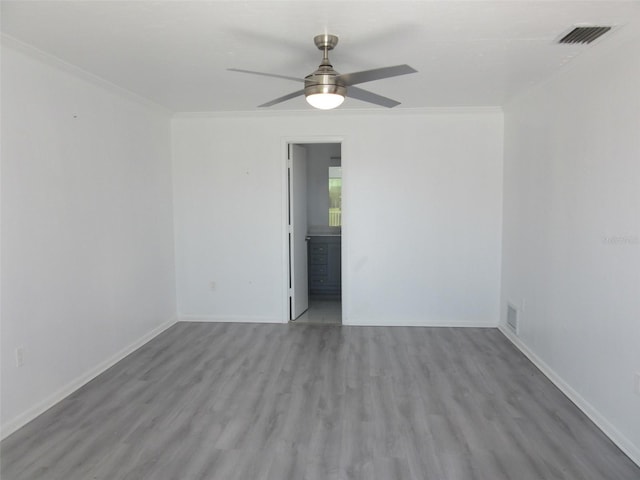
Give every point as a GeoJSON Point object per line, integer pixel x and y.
{"type": "Point", "coordinates": [285, 142]}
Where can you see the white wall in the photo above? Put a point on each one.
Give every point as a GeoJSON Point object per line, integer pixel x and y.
{"type": "Point", "coordinates": [422, 214]}
{"type": "Point", "coordinates": [87, 236]}
{"type": "Point", "coordinates": [572, 233]}
{"type": "Point", "coordinates": [319, 159]}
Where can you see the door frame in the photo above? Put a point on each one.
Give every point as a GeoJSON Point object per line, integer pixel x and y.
{"type": "Point", "coordinates": [284, 151]}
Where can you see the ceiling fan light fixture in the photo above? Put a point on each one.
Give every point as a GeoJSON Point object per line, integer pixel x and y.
{"type": "Point", "coordinates": [325, 97]}
{"type": "Point", "coordinates": [325, 101]}
{"type": "Point", "coordinates": [326, 89]}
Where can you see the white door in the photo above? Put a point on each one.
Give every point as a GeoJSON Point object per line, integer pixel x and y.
{"type": "Point", "coordinates": [298, 277]}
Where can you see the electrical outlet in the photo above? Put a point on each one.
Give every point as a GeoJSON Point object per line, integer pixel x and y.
{"type": "Point", "coordinates": [19, 356]}
{"type": "Point", "coordinates": [636, 383]}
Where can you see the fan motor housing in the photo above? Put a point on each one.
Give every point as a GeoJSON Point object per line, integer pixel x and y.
{"type": "Point", "coordinates": [324, 80]}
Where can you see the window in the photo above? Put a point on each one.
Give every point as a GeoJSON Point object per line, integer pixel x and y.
{"type": "Point", "coordinates": [335, 196]}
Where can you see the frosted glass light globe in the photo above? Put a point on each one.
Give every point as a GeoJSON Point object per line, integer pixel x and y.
{"type": "Point", "coordinates": [325, 101]}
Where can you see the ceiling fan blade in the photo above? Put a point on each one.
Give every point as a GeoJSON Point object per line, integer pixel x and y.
{"type": "Point", "coordinates": [266, 74]}
{"type": "Point", "coordinates": [375, 74]}
{"type": "Point", "coordinates": [367, 96]}
{"type": "Point", "coordinates": [284, 98]}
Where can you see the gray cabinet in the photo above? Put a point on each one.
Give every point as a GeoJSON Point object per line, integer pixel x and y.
{"type": "Point", "coordinates": [325, 261]}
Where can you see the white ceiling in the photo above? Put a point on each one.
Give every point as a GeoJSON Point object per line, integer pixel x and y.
{"type": "Point", "coordinates": [175, 53]}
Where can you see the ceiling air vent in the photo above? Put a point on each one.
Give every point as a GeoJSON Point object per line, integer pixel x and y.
{"type": "Point", "coordinates": [584, 34]}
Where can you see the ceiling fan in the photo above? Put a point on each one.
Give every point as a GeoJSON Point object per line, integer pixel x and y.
{"type": "Point", "coordinates": [326, 89]}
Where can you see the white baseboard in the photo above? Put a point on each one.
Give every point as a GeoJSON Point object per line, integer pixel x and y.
{"type": "Point", "coordinates": [417, 323]}
{"type": "Point", "coordinates": [41, 407]}
{"type": "Point", "coordinates": [623, 443]}
{"type": "Point", "coordinates": [229, 319]}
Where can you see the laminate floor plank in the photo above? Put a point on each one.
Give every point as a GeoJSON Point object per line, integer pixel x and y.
{"type": "Point", "coordinates": [205, 401]}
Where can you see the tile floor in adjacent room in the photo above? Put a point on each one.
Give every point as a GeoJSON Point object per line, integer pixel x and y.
{"type": "Point", "coordinates": [321, 311]}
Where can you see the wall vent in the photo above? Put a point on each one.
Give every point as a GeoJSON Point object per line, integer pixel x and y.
{"type": "Point", "coordinates": [584, 34]}
{"type": "Point", "coordinates": [512, 317]}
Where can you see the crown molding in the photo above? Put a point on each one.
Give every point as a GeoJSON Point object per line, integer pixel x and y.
{"type": "Point", "coordinates": [55, 62]}
{"type": "Point", "coordinates": [483, 110]}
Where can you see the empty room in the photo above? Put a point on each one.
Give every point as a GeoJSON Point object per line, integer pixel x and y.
{"type": "Point", "coordinates": [268, 240]}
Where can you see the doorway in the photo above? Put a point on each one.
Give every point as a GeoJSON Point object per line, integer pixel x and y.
{"type": "Point", "coordinates": [315, 232]}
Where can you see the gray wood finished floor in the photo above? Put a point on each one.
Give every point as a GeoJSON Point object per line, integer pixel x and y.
{"type": "Point", "coordinates": [276, 402]}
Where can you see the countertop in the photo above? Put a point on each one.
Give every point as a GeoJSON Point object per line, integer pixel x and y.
{"type": "Point", "coordinates": [324, 232]}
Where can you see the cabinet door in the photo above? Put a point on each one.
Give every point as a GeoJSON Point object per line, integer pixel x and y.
{"type": "Point", "coordinates": [334, 265]}
{"type": "Point", "coordinates": [318, 248]}
{"type": "Point", "coordinates": [319, 259]}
